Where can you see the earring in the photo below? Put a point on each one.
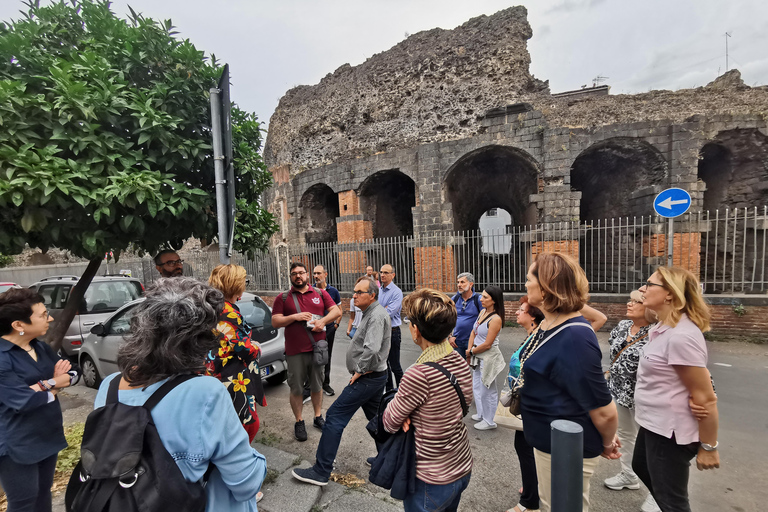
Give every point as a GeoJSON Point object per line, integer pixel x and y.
{"type": "Point", "coordinates": [21, 333]}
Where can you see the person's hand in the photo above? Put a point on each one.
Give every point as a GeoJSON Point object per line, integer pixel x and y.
{"type": "Point", "coordinates": [452, 341]}
{"type": "Point", "coordinates": [707, 460]}
{"type": "Point", "coordinates": [611, 451]}
{"type": "Point", "coordinates": [302, 317]}
{"type": "Point", "coordinates": [699, 412]}
{"type": "Point", "coordinates": [319, 324]}
{"type": "Point", "coordinates": [348, 331]}
{"type": "Point", "coordinates": [355, 377]}
{"type": "Point", "coordinates": [62, 367]}
{"type": "Point", "coordinates": [406, 424]}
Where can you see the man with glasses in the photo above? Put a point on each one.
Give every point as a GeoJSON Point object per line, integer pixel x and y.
{"type": "Point", "coordinates": [304, 326]}
{"type": "Point", "coordinates": [467, 310]}
{"type": "Point", "coordinates": [367, 365]}
{"type": "Point", "coordinates": [392, 300]}
{"type": "Point", "coordinates": [169, 264]}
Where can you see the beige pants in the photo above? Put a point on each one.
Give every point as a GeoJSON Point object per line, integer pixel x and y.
{"type": "Point", "coordinates": [544, 473]}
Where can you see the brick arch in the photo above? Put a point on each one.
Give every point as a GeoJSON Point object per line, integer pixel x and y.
{"type": "Point", "coordinates": [493, 176]}
{"type": "Point", "coordinates": [616, 175]}
{"type": "Point", "coordinates": [387, 197]}
{"type": "Point", "coordinates": [318, 209]}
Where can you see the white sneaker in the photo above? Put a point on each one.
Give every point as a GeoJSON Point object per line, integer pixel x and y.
{"type": "Point", "coordinates": [476, 417]}
{"type": "Point", "coordinates": [649, 505]}
{"type": "Point", "coordinates": [484, 425]}
{"type": "Point", "coordinates": [622, 481]}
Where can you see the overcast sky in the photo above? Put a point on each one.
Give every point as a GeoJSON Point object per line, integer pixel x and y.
{"type": "Point", "coordinates": [272, 46]}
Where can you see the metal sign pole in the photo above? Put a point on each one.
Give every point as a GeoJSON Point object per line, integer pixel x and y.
{"type": "Point", "coordinates": [221, 182]}
{"type": "Point", "coordinates": [670, 241]}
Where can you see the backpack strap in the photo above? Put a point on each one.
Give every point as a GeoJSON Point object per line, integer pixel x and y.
{"type": "Point", "coordinates": [112, 390]}
{"type": "Point", "coordinates": [454, 382]}
{"type": "Point", "coordinates": [298, 310]}
{"type": "Point", "coordinates": [476, 298]}
{"type": "Point", "coordinates": [166, 388]}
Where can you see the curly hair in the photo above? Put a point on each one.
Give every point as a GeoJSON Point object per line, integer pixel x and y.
{"type": "Point", "coordinates": [16, 304]}
{"type": "Point", "coordinates": [433, 312]}
{"type": "Point", "coordinates": [171, 332]}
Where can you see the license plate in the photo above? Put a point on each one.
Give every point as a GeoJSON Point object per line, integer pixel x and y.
{"type": "Point", "coordinates": [264, 371]}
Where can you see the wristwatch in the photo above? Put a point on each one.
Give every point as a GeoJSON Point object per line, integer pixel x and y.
{"type": "Point", "coordinates": [52, 383]}
{"type": "Point", "coordinates": [710, 448]}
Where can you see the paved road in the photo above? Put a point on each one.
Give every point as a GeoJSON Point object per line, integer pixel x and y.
{"type": "Point", "coordinates": [741, 375]}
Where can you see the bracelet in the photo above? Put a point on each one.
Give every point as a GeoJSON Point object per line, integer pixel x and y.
{"type": "Point", "coordinates": [609, 445]}
{"type": "Point", "coordinates": [44, 385]}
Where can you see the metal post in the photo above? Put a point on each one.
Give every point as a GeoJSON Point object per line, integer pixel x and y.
{"type": "Point", "coordinates": [221, 182]}
{"type": "Point", "coordinates": [567, 466]}
{"type": "Point", "coordinates": [670, 241]}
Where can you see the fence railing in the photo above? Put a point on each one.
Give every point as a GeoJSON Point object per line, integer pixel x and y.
{"type": "Point", "coordinates": [725, 248]}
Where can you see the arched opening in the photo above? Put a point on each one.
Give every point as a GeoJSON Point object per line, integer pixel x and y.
{"type": "Point", "coordinates": [492, 177]}
{"type": "Point", "coordinates": [494, 226]}
{"type": "Point", "coordinates": [387, 198]}
{"type": "Point", "coordinates": [609, 175]}
{"type": "Point", "coordinates": [319, 207]}
{"type": "Point", "coordinates": [716, 171]}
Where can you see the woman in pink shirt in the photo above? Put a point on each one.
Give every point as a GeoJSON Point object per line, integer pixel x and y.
{"type": "Point", "coordinates": [673, 367]}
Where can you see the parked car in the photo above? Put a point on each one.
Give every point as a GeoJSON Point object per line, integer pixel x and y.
{"type": "Point", "coordinates": [4, 287]}
{"type": "Point", "coordinates": [98, 355]}
{"type": "Point", "coordinates": [104, 296]}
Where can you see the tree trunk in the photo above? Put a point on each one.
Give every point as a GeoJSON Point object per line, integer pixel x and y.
{"type": "Point", "coordinates": [59, 330]}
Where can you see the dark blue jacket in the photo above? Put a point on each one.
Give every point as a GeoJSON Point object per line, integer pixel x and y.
{"type": "Point", "coordinates": [31, 428]}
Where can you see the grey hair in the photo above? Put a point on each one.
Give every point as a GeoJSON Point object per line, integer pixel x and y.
{"type": "Point", "coordinates": [372, 286]}
{"type": "Point", "coordinates": [467, 275]}
{"type": "Point", "coordinates": [171, 331]}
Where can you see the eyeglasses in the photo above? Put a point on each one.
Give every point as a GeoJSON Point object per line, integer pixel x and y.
{"type": "Point", "coordinates": [296, 274]}
{"type": "Point", "coordinates": [385, 272]}
{"type": "Point", "coordinates": [173, 263]}
{"type": "Point", "coordinates": [649, 284]}
{"type": "Point", "coordinates": [359, 292]}
{"type": "Point", "coordinates": [632, 302]}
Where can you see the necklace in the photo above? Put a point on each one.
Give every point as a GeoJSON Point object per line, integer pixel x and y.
{"type": "Point", "coordinates": [30, 349]}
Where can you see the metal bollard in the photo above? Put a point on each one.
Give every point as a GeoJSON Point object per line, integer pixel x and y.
{"type": "Point", "coordinates": [567, 466]}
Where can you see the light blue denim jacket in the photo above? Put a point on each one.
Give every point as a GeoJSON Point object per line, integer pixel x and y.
{"type": "Point", "coordinates": [197, 424]}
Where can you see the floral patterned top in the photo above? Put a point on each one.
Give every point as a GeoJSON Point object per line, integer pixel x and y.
{"type": "Point", "coordinates": [235, 364]}
{"type": "Point", "coordinates": [623, 371]}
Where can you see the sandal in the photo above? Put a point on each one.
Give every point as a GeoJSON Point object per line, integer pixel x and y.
{"type": "Point", "coordinates": [259, 495]}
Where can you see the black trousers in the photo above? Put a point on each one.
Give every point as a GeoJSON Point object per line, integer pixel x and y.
{"type": "Point", "coordinates": [530, 496]}
{"type": "Point", "coordinates": [393, 361]}
{"type": "Point", "coordinates": [664, 466]}
{"type": "Point", "coordinates": [28, 486]}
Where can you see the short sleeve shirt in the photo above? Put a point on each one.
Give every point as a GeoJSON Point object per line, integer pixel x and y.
{"type": "Point", "coordinates": [564, 380]}
{"type": "Point", "coordinates": [661, 398]}
{"type": "Point", "coordinates": [466, 316]}
{"type": "Point", "coordinates": [312, 301]}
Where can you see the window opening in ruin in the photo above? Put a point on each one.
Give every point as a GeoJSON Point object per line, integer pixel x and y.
{"type": "Point", "coordinates": [319, 207]}
{"type": "Point", "coordinates": [387, 198]}
{"type": "Point", "coordinates": [495, 226]}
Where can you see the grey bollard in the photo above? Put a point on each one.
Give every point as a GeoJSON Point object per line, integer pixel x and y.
{"type": "Point", "coordinates": [567, 466]}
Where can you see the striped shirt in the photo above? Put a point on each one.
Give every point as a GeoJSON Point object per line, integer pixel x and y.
{"type": "Point", "coordinates": [428, 398]}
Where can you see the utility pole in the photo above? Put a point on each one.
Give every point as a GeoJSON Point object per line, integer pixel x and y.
{"type": "Point", "coordinates": [727, 35]}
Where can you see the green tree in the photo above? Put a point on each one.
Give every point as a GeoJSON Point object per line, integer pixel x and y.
{"type": "Point", "coordinates": [105, 139]}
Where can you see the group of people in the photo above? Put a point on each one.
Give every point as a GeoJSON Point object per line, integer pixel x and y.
{"type": "Point", "coordinates": [655, 409]}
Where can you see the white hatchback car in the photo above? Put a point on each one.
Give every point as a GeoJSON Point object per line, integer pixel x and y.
{"type": "Point", "coordinates": [98, 355]}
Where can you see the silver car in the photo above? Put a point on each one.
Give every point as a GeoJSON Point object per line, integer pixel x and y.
{"type": "Point", "coordinates": [103, 297]}
{"type": "Point", "coordinates": [98, 355]}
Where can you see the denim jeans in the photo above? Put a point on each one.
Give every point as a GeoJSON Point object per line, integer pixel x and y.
{"type": "Point", "coordinates": [28, 486]}
{"type": "Point", "coordinates": [393, 361]}
{"type": "Point", "coordinates": [436, 498]}
{"type": "Point", "coordinates": [663, 466]}
{"type": "Point", "coordinates": [366, 392]}
{"type": "Point", "coordinates": [461, 347]}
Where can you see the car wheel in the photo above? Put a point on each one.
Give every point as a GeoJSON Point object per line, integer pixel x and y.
{"type": "Point", "coordinates": [91, 375]}
{"type": "Point", "coordinates": [278, 379]}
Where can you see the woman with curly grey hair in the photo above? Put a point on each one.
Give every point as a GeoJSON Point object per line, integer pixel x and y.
{"type": "Point", "coordinates": [171, 332]}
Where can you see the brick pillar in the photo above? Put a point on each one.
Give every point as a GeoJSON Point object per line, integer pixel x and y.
{"type": "Point", "coordinates": [686, 250]}
{"type": "Point", "coordinates": [435, 268]}
{"type": "Point", "coordinates": [570, 247]}
{"type": "Point", "coordinates": [352, 226]}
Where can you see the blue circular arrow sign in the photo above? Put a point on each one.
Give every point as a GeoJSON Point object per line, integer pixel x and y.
{"type": "Point", "coordinates": [672, 202]}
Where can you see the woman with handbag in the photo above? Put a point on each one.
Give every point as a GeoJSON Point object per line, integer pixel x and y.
{"type": "Point", "coordinates": [529, 317]}
{"type": "Point", "coordinates": [427, 401]}
{"type": "Point", "coordinates": [672, 369]}
{"type": "Point", "coordinates": [561, 375]}
{"type": "Point", "coordinates": [627, 341]}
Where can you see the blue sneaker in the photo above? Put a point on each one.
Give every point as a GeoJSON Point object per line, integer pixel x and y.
{"type": "Point", "coordinates": [309, 475]}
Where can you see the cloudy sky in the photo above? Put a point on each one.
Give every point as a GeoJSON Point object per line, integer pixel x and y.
{"type": "Point", "coordinates": [272, 46]}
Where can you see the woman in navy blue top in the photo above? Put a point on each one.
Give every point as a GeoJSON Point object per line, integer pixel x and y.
{"type": "Point", "coordinates": [561, 371]}
{"type": "Point", "coordinates": [31, 374]}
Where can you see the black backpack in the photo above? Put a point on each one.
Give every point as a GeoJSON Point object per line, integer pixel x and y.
{"type": "Point", "coordinates": [475, 299]}
{"type": "Point", "coordinates": [124, 466]}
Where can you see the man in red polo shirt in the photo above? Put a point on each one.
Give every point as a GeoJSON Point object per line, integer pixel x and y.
{"type": "Point", "coordinates": [298, 346]}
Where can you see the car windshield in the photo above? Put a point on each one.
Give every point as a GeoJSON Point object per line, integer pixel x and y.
{"type": "Point", "coordinates": [258, 316]}
{"type": "Point", "coordinates": [106, 296]}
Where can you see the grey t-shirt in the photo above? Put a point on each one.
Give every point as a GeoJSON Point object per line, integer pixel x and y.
{"type": "Point", "coordinates": [370, 347]}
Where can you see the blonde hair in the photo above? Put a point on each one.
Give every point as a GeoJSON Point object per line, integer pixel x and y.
{"type": "Point", "coordinates": [563, 282]}
{"type": "Point", "coordinates": [229, 279]}
{"type": "Point", "coordinates": [636, 296]}
{"type": "Point", "coordinates": [433, 312]}
{"type": "Point", "coordinates": [686, 297]}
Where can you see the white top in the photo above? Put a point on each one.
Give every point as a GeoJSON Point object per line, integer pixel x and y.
{"type": "Point", "coordinates": [481, 330]}
{"type": "Point", "coordinates": [358, 312]}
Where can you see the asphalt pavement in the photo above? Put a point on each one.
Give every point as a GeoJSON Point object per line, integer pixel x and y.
{"type": "Point", "coordinates": [740, 371]}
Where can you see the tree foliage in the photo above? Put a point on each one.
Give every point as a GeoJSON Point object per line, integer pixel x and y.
{"type": "Point", "coordinates": [105, 136]}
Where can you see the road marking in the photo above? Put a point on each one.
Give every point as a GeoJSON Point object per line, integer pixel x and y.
{"type": "Point", "coordinates": [726, 365]}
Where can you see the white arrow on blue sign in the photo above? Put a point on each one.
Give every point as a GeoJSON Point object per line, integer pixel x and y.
{"type": "Point", "coordinates": [672, 202]}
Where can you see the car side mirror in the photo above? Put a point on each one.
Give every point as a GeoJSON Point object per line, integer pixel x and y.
{"type": "Point", "coordinates": [98, 330]}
